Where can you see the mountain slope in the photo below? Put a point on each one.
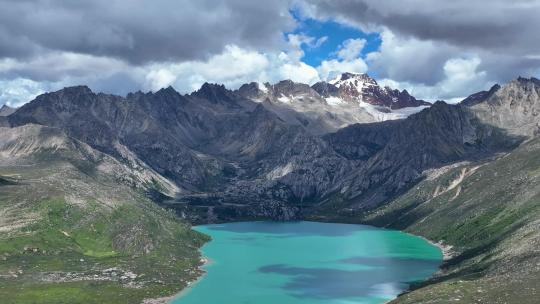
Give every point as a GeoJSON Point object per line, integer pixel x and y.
{"type": "Point", "coordinates": [76, 226]}
{"type": "Point", "coordinates": [393, 154]}
{"type": "Point", "coordinates": [489, 213]}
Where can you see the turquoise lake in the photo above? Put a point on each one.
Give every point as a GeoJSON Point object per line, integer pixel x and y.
{"type": "Point", "coordinates": [308, 262]}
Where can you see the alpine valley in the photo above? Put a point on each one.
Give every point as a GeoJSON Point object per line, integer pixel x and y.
{"type": "Point", "coordinates": [98, 191]}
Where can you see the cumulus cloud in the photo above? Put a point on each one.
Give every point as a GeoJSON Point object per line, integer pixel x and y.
{"type": "Point", "coordinates": [347, 59]}
{"type": "Point", "coordinates": [234, 67]}
{"type": "Point", "coordinates": [16, 92]}
{"type": "Point", "coordinates": [410, 59]}
{"type": "Point", "coordinates": [351, 49]}
{"type": "Point", "coordinates": [462, 76]}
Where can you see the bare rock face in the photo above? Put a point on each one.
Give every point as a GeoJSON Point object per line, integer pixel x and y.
{"type": "Point", "coordinates": [514, 107]}
{"type": "Point", "coordinates": [299, 104]}
{"type": "Point", "coordinates": [479, 97]}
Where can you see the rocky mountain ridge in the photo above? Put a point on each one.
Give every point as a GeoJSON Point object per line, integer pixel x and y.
{"type": "Point", "coordinates": [328, 106]}
{"type": "Point", "coordinates": [362, 88]}
{"type": "Point", "coordinates": [230, 157]}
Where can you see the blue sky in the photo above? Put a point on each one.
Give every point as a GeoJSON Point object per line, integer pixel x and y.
{"type": "Point", "coordinates": [336, 33]}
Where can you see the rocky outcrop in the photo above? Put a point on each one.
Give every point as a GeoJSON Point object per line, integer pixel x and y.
{"type": "Point", "coordinates": [479, 97]}
{"type": "Point", "coordinates": [514, 107]}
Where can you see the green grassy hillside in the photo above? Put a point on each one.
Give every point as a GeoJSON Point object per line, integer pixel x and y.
{"type": "Point", "coordinates": [489, 214]}
{"type": "Point", "coordinates": [73, 230]}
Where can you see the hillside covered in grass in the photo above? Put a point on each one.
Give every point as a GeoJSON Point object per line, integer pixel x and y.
{"type": "Point", "coordinates": [76, 226]}
{"type": "Point", "coordinates": [488, 216]}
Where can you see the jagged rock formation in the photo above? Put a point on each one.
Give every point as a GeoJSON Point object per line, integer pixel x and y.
{"type": "Point", "coordinates": [514, 107]}
{"type": "Point", "coordinates": [393, 154]}
{"type": "Point", "coordinates": [326, 107]}
{"type": "Point", "coordinates": [358, 88]}
{"type": "Point", "coordinates": [479, 97]}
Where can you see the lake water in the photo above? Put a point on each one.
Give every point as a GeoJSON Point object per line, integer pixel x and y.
{"type": "Point", "coordinates": [308, 262]}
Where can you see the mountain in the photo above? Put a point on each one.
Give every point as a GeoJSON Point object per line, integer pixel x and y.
{"type": "Point", "coordinates": [486, 216]}
{"type": "Point", "coordinates": [231, 157]}
{"type": "Point", "coordinates": [6, 110]}
{"type": "Point", "coordinates": [327, 107]}
{"type": "Point", "coordinates": [392, 155]}
{"type": "Point", "coordinates": [513, 107]}
{"type": "Point", "coordinates": [480, 96]}
{"type": "Point", "coordinates": [209, 143]}
{"type": "Point", "coordinates": [360, 88]}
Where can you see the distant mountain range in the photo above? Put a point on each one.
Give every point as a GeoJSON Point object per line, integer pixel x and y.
{"type": "Point", "coordinates": [270, 149]}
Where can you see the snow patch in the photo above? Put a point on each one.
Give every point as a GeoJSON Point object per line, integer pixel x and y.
{"type": "Point", "coordinates": [389, 114]}
{"type": "Point", "coordinates": [262, 87]}
{"type": "Point", "coordinates": [334, 101]}
{"type": "Point", "coordinates": [284, 99]}
{"type": "Point", "coordinates": [279, 172]}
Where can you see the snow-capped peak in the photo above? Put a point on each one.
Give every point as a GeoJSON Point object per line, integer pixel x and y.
{"type": "Point", "coordinates": [352, 78]}
{"type": "Point", "coordinates": [354, 84]}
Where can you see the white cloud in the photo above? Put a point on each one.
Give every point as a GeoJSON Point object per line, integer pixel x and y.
{"type": "Point", "coordinates": [56, 66]}
{"type": "Point", "coordinates": [410, 59]}
{"type": "Point", "coordinates": [453, 74]}
{"type": "Point", "coordinates": [159, 78]}
{"type": "Point", "coordinates": [348, 60]}
{"type": "Point", "coordinates": [462, 77]}
{"type": "Point", "coordinates": [16, 92]}
{"type": "Point", "coordinates": [351, 49]}
{"type": "Point", "coordinates": [233, 67]}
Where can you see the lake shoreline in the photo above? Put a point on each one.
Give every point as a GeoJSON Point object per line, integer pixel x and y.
{"type": "Point", "coordinates": [205, 261]}
{"type": "Point", "coordinates": [445, 250]}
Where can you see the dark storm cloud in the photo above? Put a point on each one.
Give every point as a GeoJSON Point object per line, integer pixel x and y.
{"type": "Point", "coordinates": [140, 31]}
{"type": "Point", "coordinates": [499, 25]}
